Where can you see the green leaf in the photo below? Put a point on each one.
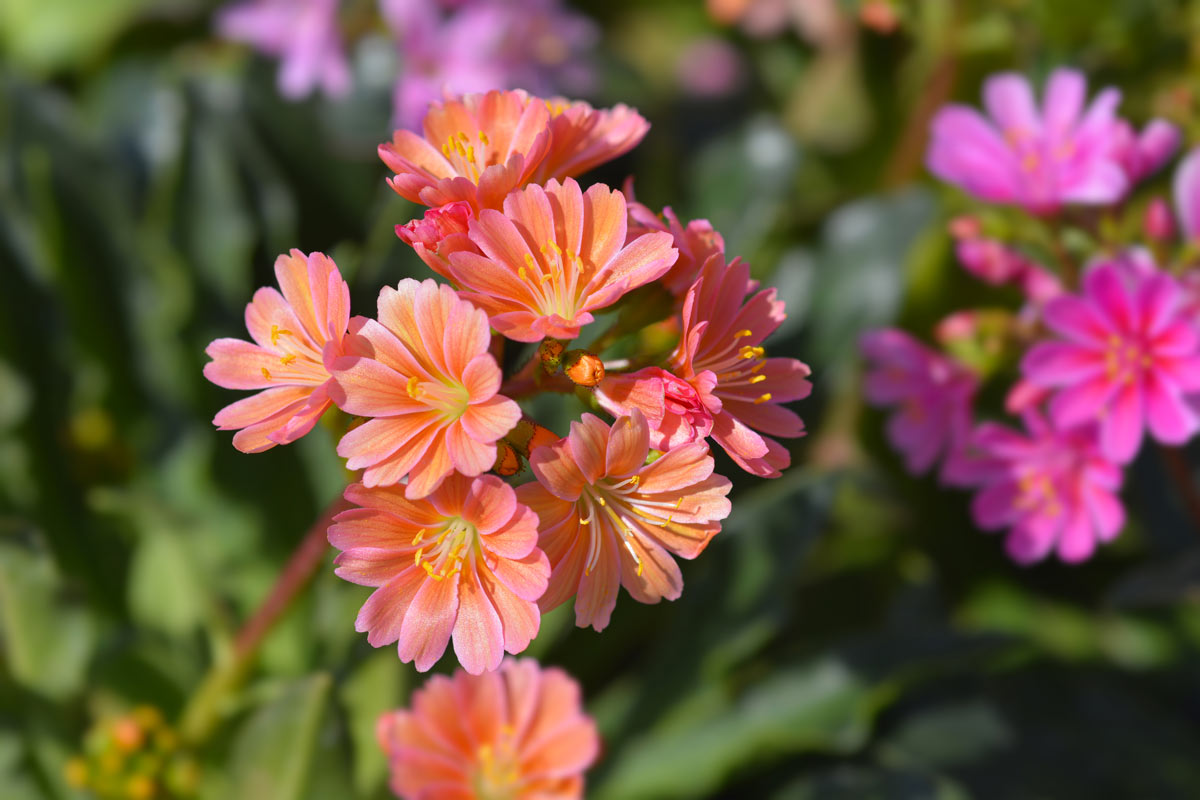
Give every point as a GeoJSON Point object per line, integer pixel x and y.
{"type": "Point", "coordinates": [47, 643]}
{"type": "Point", "coordinates": [272, 752]}
{"type": "Point", "coordinates": [377, 685]}
{"type": "Point", "coordinates": [46, 35]}
{"type": "Point", "coordinates": [164, 590]}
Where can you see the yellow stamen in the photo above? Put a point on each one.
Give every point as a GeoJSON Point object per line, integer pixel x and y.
{"type": "Point", "coordinates": [266, 374]}
{"type": "Point", "coordinates": [420, 535]}
{"type": "Point", "coordinates": [483, 137]}
{"type": "Point", "coordinates": [742, 334]}
{"type": "Point", "coordinates": [417, 557]}
{"type": "Point", "coordinates": [276, 332]}
{"type": "Point", "coordinates": [413, 389]}
{"type": "Point", "coordinates": [758, 379]}
{"type": "Point", "coordinates": [288, 359]}
{"type": "Point", "coordinates": [522, 274]}
{"type": "Point", "coordinates": [751, 352]}
{"type": "Point", "coordinates": [763, 398]}
{"type": "Point", "coordinates": [758, 366]}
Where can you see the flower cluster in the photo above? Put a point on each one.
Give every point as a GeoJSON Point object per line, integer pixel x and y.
{"type": "Point", "coordinates": [458, 551]}
{"type": "Point", "coordinates": [1106, 344]}
{"type": "Point", "coordinates": [457, 46]}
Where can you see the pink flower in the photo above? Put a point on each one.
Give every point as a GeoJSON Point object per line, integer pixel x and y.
{"type": "Point", "coordinates": [1127, 356]}
{"type": "Point", "coordinates": [607, 518]}
{"type": "Point", "coordinates": [296, 335]}
{"type": "Point", "coordinates": [674, 407]}
{"type": "Point", "coordinates": [1186, 186]}
{"type": "Point", "coordinates": [1157, 223]}
{"type": "Point", "coordinates": [439, 233]}
{"type": "Point", "coordinates": [994, 263]}
{"type": "Point", "coordinates": [931, 393]}
{"type": "Point", "coordinates": [303, 33]}
{"type": "Point", "coordinates": [424, 373]}
{"type": "Point", "coordinates": [1035, 158]}
{"type": "Point", "coordinates": [462, 562]}
{"type": "Point", "coordinates": [476, 149]}
{"type": "Point", "coordinates": [696, 242]}
{"type": "Point", "coordinates": [479, 148]}
{"type": "Point", "coordinates": [1142, 154]}
{"type": "Point", "coordinates": [1053, 488]}
{"type": "Point", "coordinates": [519, 732]}
{"type": "Point", "coordinates": [553, 257]}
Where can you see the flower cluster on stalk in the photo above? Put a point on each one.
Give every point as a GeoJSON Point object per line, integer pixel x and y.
{"type": "Point", "coordinates": [458, 550]}
{"type": "Point", "coordinates": [1106, 345]}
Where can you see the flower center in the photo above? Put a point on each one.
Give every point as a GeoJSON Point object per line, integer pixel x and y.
{"type": "Point", "coordinates": [1125, 360]}
{"type": "Point", "coordinates": [450, 399]}
{"type": "Point", "coordinates": [1038, 494]}
{"type": "Point", "coordinates": [460, 151]}
{"type": "Point", "coordinates": [740, 365]}
{"type": "Point", "coordinates": [620, 502]}
{"type": "Point", "coordinates": [554, 279]}
{"type": "Point", "coordinates": [444, 556]}
{"type": "Point", "coordinates": [498, 776]}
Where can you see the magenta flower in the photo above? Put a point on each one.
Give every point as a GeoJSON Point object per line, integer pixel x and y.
{"type": "Point", "coordinates": [931, 393]}
{"type": "Point", "coordinates": [1052, 488]}
{"type": "Point", "coordinates": [1186, 188]}
{"type": "Point", "coordinates": [1038, 158]}
{"type": "Point", "coordinates": [1127, 356]}
{"type": "Point", "coordinates": [303, 34]}
{"type": "Point", "coordinates": [1142, 154]}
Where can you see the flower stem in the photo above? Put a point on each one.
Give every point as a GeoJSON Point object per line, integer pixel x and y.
{"type": "Point", "coordinates": [204, 709]}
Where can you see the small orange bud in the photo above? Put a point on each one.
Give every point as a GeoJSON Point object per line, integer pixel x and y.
{"type": "Point", "coordinates": [127, 734]}
{"type": "Point", "coordinates": [542, 436]}
{"type": "Point", "coordinates": [583, 368]}
{"type": "Point", "coordinates": [528, 434]}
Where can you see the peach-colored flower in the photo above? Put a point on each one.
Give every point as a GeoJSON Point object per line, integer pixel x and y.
{"type": "Point", "coordinates": [296, 334]}
{"type": "Point", "coordinates": [423, 371]}
{"type": "Point", "coordinates": [607, 518]}
{"type": "Point", "coordinates": [720, 382]}
{"type": "Point", "coordinates": [442, 231]}
{"type": "Point", "coordinates": [582, 137]}
{"type": "Point", "coordinates": [461, 562]}
{"type": "Point", "coordinates": [518, 733]}
{"type": "Point", "coordinates": [476, 149]}
{"type": "Point", "coordinates": [696, 241]}
{"type": "Point", "coordinates": [555, 255]}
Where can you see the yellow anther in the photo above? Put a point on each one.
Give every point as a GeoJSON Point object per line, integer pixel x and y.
{"type": "Point", "coordinates": [288, 359]}
{"type": "Point", "coordinates": [1147, 361]}
{"type": "Point", "coordinates": [587, 521]}
{"type": "Point", "coordinates": [554, 246]}
{"type": "Point", "coordinates": [446, 150]}
{"type": "Point", "coordinates": [417, 557]}
{"type": "Point", "coordinates": [545, 278]}
{"type": "Point", "coordinates": [470, 152]}
{"type": "Point", "coordinates": [758, 366]}
{"type": "Point", "coordinates": [743, 333]}
{"type": "Point", "coordinates": [276, 332]}
{"type": "Point", "coordinates": [639, 569]}
{"type": "Point", "coordinates": [751, 352]}
{"type": "Point", "coordinates": [758, 379]}
{"type": "Point", "coordinates": [522, 274]}
{"type": "Point", "coordinates": [600, 500]}
{"type": "Point", "coordinates": [463, 137]}
{"type": "Point", "coordinates": [635, 479]}
{"type": "Point", "coordinates": [412, 387]}
{"type": "Point", "coordinates": [678, 502]}
{"type": "Point", "coordinates": [483, 137]}
{"type": "Point", "coordinates": [762, 398]}
{"type": "Point", "coordinates": [420, 535]}
{"type": "Point", "coordinates": [266, 374]}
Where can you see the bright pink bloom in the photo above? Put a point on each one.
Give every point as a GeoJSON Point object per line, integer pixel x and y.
{"type": "Point", "coordinates": [1127, 357]}
{"type": "Point", "coordinates": [1187, 195]}
{"type": "Point", "coordinates": [439, 233]}
{"type": "Point", "coordinates": [696, 242]}
{"type": "Point", "coordinates": [518, 733]}
{"type": "Point", "coordinates": [462, 562]}
{"type": "Point", "coordinates": [1054, 489]}
{"type": "Point", "coordinates": [302, 33]}
{"type": "Point", "coordinates": [932, 395]}
{"type": "Point", "coordinates": [674, 407]}
{"type": "Point", "coordinates": [296, 335]}
{"type": "Point", "coordinates": [607, 518]}
{"type": "Point", "coordinates": [1158, 224]}
{"type": "Point", "coordinates": [583, 138]}
{"type": "Point", "coordinates": [1142, 154]}
{"type": "Point", "coordinates": [423, 371]}
{"type": "Point", "coordinates": [994, 263]}
{"type": "Point", "coordinates": [1035, 158]}
{"type": "Point", "coordinates": [553, 257]}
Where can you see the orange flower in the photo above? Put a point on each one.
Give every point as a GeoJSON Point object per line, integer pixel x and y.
{"type": "Point", "coordinates": [515, 734]}
{"type": "Point", "coordinates": [607, 518]}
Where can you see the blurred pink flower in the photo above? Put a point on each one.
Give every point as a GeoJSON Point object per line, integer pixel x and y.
{"type": "Point", "coordinates": [1038, 158]}
{"type": "Point", "coordinates": [1127, 356]}
{"type": "Point", "coordinates": [553, 257]}
{"type": "Point", "coordinates": [932, 395]}
{"type": "Point", "coordinates": [997, 264]}
{"type": "Point", "coordinates": [1142, 154]}
{"type": "Point", "coordinates": [519, 732]}
{"type": "Point", "coordinates": [463, 562]}
{"type": "Point", "coordinates": [424, 373]}
{"type": "Point", "coordinates": [607, 518]}
{"type": "Point", "coordinates": [1186, 188]}
{"type": "Point", "coordinates": [1052, 488]}
{"type": "Point", "coordinates": [1157, 223]}
{"type": "Point", "coordinates": [475, 46]}
{"type": "Point", "coordinates": [302, 33]}
{"type": "Point", "coordinates": [296, 335]}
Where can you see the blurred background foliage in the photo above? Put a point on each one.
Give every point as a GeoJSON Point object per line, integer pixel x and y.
{"type": "Point", "coordinates": [849, 634]}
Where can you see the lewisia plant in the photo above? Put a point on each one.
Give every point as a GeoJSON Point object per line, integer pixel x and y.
{"type": "Point", "coordinates": [468, 517]}
{"type": "Point", "coordinates": [1103, 354]}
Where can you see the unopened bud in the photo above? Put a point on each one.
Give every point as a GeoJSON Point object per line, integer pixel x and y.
{"type": "Point", "coordinates": [127, 733]}
{"type": "Point", "coordinates": [878, 15]}
{"type": "Point", "coordinates": [528, 435]}
{"type": "Point", "coordinates": [583, 368]}
{"type": "Point", "coordinates": [550, 353]}
{"type": "Point", "coordinates": [965, 227]}
{"type": "Point", "coordinates": [1158, 224]}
